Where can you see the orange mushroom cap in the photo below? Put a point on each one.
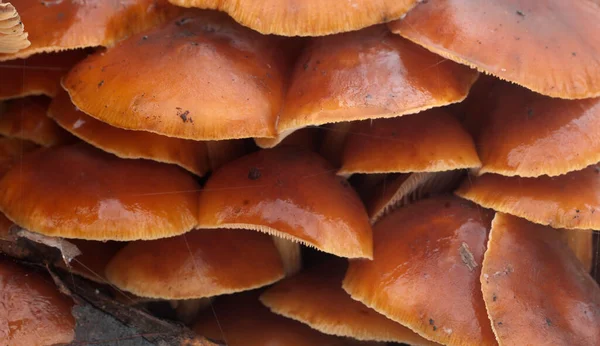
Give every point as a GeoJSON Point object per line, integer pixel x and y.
{"type": "Point", "coordinates": [224, 81]}
{"type": "Point", "coordinates": [32, 310]}
{"type": "Point", "coordinates": [39, 74]}
{"type": "Point", "coordinates": [202, 263]}
{"type": "Point", "coordinates": [192, 155]}
{"type": "Point", "coordinates": [13, 36]}
{"type": "Point", "coordinates": [536, 291]}
{"type": "Point", "coordinates": [544, 46]}
{"type": "Point", "coordinates": [581, 242]}
{"type": "Point", "coordinates": [366, 75]}
{"type": "Point", "coordinates": [425, 272]}
{"type": "Point", "coordinates": [26, 119]}
{"type": "Point", "coordinates": [60, 25]}
{"type": "Point", "coordinates": [316, 297]}
{"type": "Point", "coordinates": [241, 320]}
{"type": "Point", "coordinates": [11, 151]}
{"type": "Point", "coordinates": [80, 192]}
{"type": "Point", "coordinates": [290, 193]}
{"type": "Point", "coordinates": [306, 18]}
{"type": "Point", "coordinates": [567, 201]}
{"type": "Point", "coordinates": [430, 141]}
{"type": "Point", "coordinates": [526, 134]}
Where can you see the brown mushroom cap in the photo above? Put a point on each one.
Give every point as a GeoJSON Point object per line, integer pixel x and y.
{"type": "Point", "coordinates": [290, 193]}
{"type": "Point", "coordinates": [536, 291]}
{"type": "Point", "coordinates": [11, 151]}
{"type": "Point", "coordinates": [544, 46]}
{"type": "Point", "coordinates": [201, 263]}
{"type": "Point", "coordinates": [80, 192]}
{"type": "Point", "coordinates": [567, 201]}
{"type": "Point", "coordinates": [192, 155]}
{"type": "Point", "coordinates": [366, 75]}
{"type": "Point", "coordinates": [581, 242]}
{"type": "Point", "coordinates": [32, 310]}
{"type": "Point", "coordinates": [316, 297]}
{"type": "Point", "coordinates": [409, 144]}
{"type": "Point", "coordinates": [225, 81]}
{"type": "Point", "coordinates": [241, 320]}
{"type": "Point", "coordinates": [39, 74]}
{"type": "Point", "coordinates": [308, 17]}
{"type": "Point", "coordinates": [60, 25]}
{"type": "Point", "coordinates": [13, 36]}
{"type": "Point", "coordinates": [425, 271]}
{"type": "Point", "coordinates": [526, 134]}
{"type": "Point", "coordinates": [26, 119]}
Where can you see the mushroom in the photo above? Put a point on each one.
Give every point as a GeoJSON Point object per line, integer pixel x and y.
{"type": "Point", "coordinates": [201, 264]}
{"type": "Point", "coordinates": [200, 77]}
{"type": "Point", "coordinates": [425, 271]}
{"type": "Point", "coordinates": [291, 193]}
{"type": "Point", "coordinates": [566, 201]}
{"type": "Point", "coordinates": [61, 25]}
{"type": "Point", "coordinates": [80, 192]}
{"type": "Point", "coordinates": [308, 17]}
{"type": "Point", "coordinates": [12, 150]}
{"type": "Point", "coordinates": [13, 36]}
{"type": "Point", "coordinates": [366, 74]}
{"type": "Point", "coordinates": [26, 118]}
{"type": "Point", "coordinates": [522, 133]}
{"type": "Point", "coordinates": [315, 297]}
{"type": "Point", "coordinates": [241, 320]}
{"type": "Point", "coordinates": [535, 290]}
{"type": "Point", "coordinates": [544, 46]}
{"type": "Point", "coordinates": [581, 242]}
{"type": "Point", "coordinates": [409, 145]}
{"type": "Point", "coordinates": [95, 256]}
{"type": "Point", "coordinates": [39, 74]}
{"type": "Point", "coordinates": [32, 310]}
{"type": "Point", "coordinates": [194, 156]}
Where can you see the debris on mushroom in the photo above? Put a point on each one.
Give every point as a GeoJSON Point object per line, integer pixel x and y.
{"type": "Point", "coordinates": [308, 17]}
{"type": "Point", "coordinates": [316, 297]}
{"type": "Point", "coordinates": [291, 193]}
{"type": "Point", "coordinates": [425, 271]}
{"type": "Point", "coordinates": [535, 290]}
{"type": "Point", "coordinates": [77, 191]}
{"type": "Point", "coordinates": [13, 36]}
{"type": "Point", "coordinates": [544, 46]}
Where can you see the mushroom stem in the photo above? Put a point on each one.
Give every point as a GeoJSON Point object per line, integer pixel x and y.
{"type": "Point", "coordinates": [187, 310]}
{"type": "Point", "coordinates": [290, 255]}
{"type": "Point", "coordinates": [581, 242]}
{"type": "Point", "coordinates": [333, 143]}
{"type": "Point", "coordinates": [221, 152]}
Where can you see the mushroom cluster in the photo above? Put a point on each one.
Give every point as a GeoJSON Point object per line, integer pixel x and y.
{"type": "Point", "coordinates": [282, 172]}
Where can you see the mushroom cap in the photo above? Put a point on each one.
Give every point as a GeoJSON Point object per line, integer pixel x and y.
{"type": "Point", "coordinates": [11, 151]}
{"type": "Point", "coordinates": [225, 81]}
{"type": "Point", "coordinates": [200, 264]}
{"type": "Point", "coordinates": [566, 201]}
{"type": "Point", "coordinates": [241, 320]}
{"type": "Point", "coordinates": [191, 155]}
{"type": "Point", "coordinates": [366, 75]}
{"type": "Point", "coordinates": [581, 242]}
{"type": "Point", "coordinates": [425, 271]}
{"type": "Point", "coordinates": [60, 25]}
{"type": "Point", "coordinates": [308, 17]}
{"type": "Point", "coordinates": [291, 193]}
{"type": "Point", "coordinates": [316, 297]}
{"type": "Point", "coordinates": [39, 74]}
{"type": "Point", "coordinates": [80, 192]}
{"type": "Point", "coordinates": [92, 261]}
{"type": "Point", "coordinates": [562, 307]}
{"type": "Point", "coordinates": [544, 46]}
{"type": "Point", "coordinates": [32, 310]}
{"type": "Point", "coordinates": [13, 36]}
{"type": "Point", "coordinates": [394, 191]}
{"type": "Point", "coordinates": [26, 118]}
{"type": "Point", "coordinates": [409, 144]}
{"type": "Point", "coordinates": [526, 134]}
